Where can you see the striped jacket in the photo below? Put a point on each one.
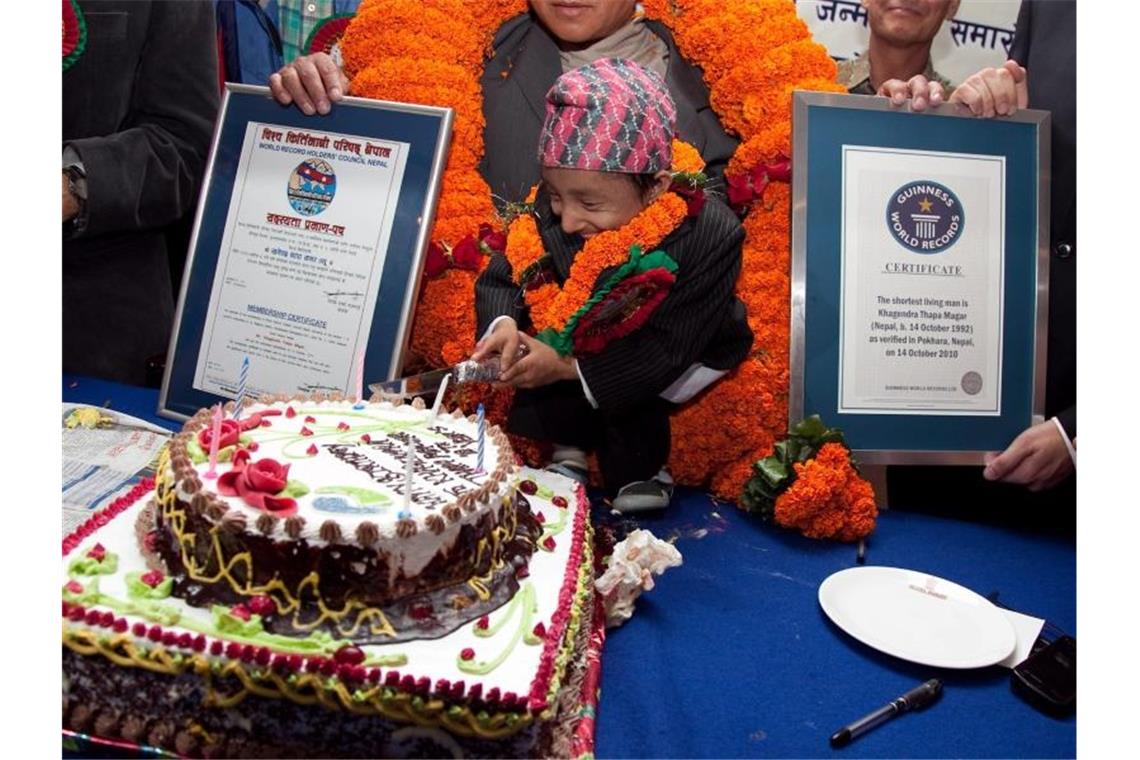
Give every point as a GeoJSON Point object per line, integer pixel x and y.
{"type": "Point", "coordinates": [701, 320]}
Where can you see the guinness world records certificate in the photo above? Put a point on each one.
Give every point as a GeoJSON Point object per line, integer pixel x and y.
{"type": "Point", "coordinates": [919, 276]}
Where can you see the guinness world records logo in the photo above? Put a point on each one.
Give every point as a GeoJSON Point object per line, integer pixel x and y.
{"type": "Point", "coordinates": [925, 217]}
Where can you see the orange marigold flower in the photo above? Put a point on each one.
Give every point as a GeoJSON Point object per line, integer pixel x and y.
{"type": "Point", "coordinates": [828, 498]}
{"type": "Point", "coordinates": [686, 158]}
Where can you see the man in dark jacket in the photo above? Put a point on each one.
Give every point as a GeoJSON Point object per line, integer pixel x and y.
{"type": "Point", "coordinates": [531, 51]}
{"type": "Point", "coordinates": [139, 102]}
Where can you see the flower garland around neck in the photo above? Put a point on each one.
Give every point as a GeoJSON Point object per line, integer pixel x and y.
{"type": "Point", "coordinates": [555, 310]}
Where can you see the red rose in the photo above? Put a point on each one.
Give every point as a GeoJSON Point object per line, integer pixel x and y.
{"type": "Point", "coordinates": [739, 190]}
{"type": "Point", "coordinates": [436, 263]}
{"type": "Point", "coordinates": [229, 437]}
{"type": "Point", "coordinates": [466, 255]}
{"type": "Point", "coordinates": [258, 483]}
{"type": "Point", "coordinates": [492, 240]}
{"type": "Point", "coordinates": [779, 171]}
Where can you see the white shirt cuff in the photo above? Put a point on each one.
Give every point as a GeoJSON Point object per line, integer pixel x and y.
{"type": "Point", "coordinates": [1065, 438]}
{"type": "Point", "coordinates": [585, 387]}
{"type": "Point", "coordinates": [494, 322]}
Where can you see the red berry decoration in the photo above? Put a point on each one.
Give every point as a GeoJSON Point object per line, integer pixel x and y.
{"type": "Point", "coordinates": [199, 643]}
{"type": "Point", "coordinates": [312, 450]}
{"type": "Point", "coordinates": [311, 420]}
{"type": "Point", "coordinates": [522, 572]}
{"type": "Point", "coordinates": [548, 543]}
{"type": "Point", "coordinates": [482, 623]}
{"type": "Point", "coordinates": [263, 656]}
{"type": "Point", "coordinates": [342, 426]}
{"type": "Point", "coordinates": [374, 675]}
{"type": "Point", "coordinates": [76, 613]}
{"type": "Point", "coordinates": [216, 648]}
{"type": "Point", "coordinates": [138, 629]}
{"type": "Point", "coordinates": [154, 634]}
{"type": "Point", "coordinates": [366, 438]}
{"type": "Point", "coordinates": [313, 664]}
{"type": "Point", "coordinates": [253, 446]}
{"type": "Point", "coordinates": [120, 625]}
{"type": "Point", "coordinates": [295, 662]}
{"type": "Point", "coordinates": [529, 487]}
{"type": "Point", "coordinates": [467, 654]}
{"type": "Point", "coordinates": [262, 605]}
{"type": "Point", "coordinates": [92, 617]}
{"type": "Point", "coordinates": [559, 502]}
{"type": "Point", "coordinates": [152, 578]}
{"type": "Point", "coordinates": [290, 412]}
{"type": "Point", "coordinates": [248, 652]}
{"type": "Point", "coordinates": [306, 432]}
{"type": "Point", "coordinates": [74, 587]}
{"type": "Point", "coordinates": [97, 552]}
{"type": "Point", "coordinates": [349, 655]}
{"type": "Point", "coordinates": [184, 640]}
{"type": "Point", "coordinates": [420, 611]}
{"type": "Point", "coordinates": [107, 619]}
{"type": "Point", "coordinates": [241, 612]}
{"type": "Point", "coordinates": [169, 638]}
{"type": "Point", "coordinates": [540, 518]}
{"type": "Point", "coordinates": [233, 650]}
{"type": "Point", "coordinates": [539, 631]}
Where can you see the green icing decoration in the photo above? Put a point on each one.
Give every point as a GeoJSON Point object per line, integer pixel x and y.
{"type": "Point", "coordinates": [294, 489]}
{"type": "Point", "coordinates": [364, 496]}
{"type": "Point", "coordinates": [526, 604]}
{"type": "Point", "coordinates": [152, 611]}
{"type": "Point", "coordinates": [228, 623]}
{"type": "Point", "coordinates": [544, 493]}
{"type": "Point", "coordinates": [136, 589]}
{"type": "Point", "coordinates": [195, 452]}
{"type": "Point", "coordinates": [386, 660]}
{"type": "Point", "coordinates": [90, 566]}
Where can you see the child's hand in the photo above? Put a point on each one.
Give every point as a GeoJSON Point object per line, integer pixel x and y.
{"type": "Point", "coordinates": [541, 366]}
{"type": "Point", "coordinates": [503, 340]}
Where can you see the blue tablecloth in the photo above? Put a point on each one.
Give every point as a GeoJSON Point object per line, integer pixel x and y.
{"type": "Point", "coordinates": [731, 656]}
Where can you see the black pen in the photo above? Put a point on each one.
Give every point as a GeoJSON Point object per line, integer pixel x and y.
{"type": "Point", "coordinates": [915, 699]}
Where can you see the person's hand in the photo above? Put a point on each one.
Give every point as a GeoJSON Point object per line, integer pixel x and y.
{"type": "Point", "coordinates": [313, 82]}
{"type": "Point", "coordinates": [920, 91]}
{"type": "Point", "coordinates": [1037, 459]}
{"type": "Point", "coordinates": [503, 340]}
{"type": "Point", "coordinates": [989, 92]}
{"type": "Point", "coordinates": [70, 202]}
{"type": "Point", "coordinates": [541, 366]}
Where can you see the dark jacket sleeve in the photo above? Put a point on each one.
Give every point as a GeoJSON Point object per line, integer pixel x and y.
{"type": "Point", "coordinates": [496, 295]}
{"type": "Point", "coordinates": [147, 174]}
{"type": "Point", "coordinates": [647, 361]}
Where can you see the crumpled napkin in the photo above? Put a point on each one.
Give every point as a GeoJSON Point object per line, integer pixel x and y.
{"type": "Point", "coordinates": [632, 566]}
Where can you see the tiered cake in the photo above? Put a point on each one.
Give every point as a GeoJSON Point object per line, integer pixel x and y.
{"type": "Point", "coordinates": [219, 615]}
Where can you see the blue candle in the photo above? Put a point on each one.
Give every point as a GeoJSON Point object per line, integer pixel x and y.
{"type": "Point", "coordinates": [482, 423]}
{"type": "Point", "coordinates": [240, 401]}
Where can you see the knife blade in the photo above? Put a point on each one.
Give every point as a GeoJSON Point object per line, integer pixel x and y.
{"type": "Point", "coordinates": [429, 382]}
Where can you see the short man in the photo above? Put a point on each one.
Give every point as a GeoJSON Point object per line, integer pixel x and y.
{"type": "Point", "coordinates": [531, 51]}
{"type": "Point", "coordinates": [902, 32]}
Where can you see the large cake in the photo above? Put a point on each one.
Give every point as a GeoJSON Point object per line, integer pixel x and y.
{"type": "Point", "coordinates": [296, 599]}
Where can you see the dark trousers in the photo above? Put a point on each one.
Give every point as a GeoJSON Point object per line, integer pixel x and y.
{"type": "Point", "coordinates": [960, 492]}
{"type": "Point", "coordinates": [631, 444]}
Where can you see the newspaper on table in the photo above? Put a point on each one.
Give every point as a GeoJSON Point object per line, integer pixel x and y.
{"type": "Point", "coordinates": [103, 462]}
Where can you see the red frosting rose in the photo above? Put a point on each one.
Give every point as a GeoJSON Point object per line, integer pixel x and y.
{"type": "Point", "coordinates": [258, 484]}
{"type": "Point", "coordinates": [229, 437]}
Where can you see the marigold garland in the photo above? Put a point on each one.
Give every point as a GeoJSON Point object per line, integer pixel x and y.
{"type": "Point", "coordinates": [753, 54]}
{"type": "Point", "coordinates": [552, 306]}
{"type": "Point", "coordinates": [828, 498]}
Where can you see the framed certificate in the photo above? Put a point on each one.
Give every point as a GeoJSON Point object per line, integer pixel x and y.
{"type": "Point", "coordinates": [919, 276]}
{"type": "Point", "coordinates": [307, 248]}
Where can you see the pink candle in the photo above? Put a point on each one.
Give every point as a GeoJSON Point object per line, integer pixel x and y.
{"type": "Point", "coordinates": [215, 436]}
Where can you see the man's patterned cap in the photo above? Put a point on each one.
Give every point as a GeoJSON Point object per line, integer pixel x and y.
{"type": "Point", "coordinates": [612, 115]}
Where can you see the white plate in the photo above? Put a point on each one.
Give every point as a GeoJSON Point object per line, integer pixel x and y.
{"type": "Point", "coordinates": [917, 617]}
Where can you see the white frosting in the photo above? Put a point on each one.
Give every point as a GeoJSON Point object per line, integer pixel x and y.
{"type": "Point", "coordinates": [445, 445]}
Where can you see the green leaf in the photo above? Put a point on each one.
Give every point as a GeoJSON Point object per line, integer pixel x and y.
{"type": "Point", "coordinates": [90, 566]}
{"type": "Point", "coordinates": [773, 470]}
{"type": "Point", "coordinates": [226, 622]}
{"type": "Point", "coordinates": [136, 589]}
{"type": "Point", "coordinates": [195, 452]}
{"type": "Point", "coordinates": [294, 489]}
{"type": "Point", "coordinates": [810, 428]}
